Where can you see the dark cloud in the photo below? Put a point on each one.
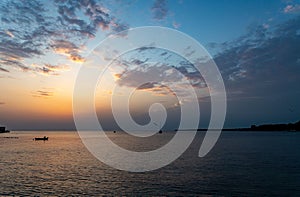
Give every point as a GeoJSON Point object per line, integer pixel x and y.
{"type": "Point", "coordinates": [148, 85]}
{"type": "Point", "coordinates": [159, 9]}
{"type": "Point", "coordinates": [68, 17]}
{"type": "Point", "coordinates": [3, 69]}
{"type": "Point", "coordinates": [138, 62]}
{"type": "Point", "coordinates": [97, 17]}
{"type": "Point", "coordinates": [164, 53]}
{"type": "Point", "coordinates": [146, 48]}
{"type": "Point", "coordinates": [263, 63]}
{"type": "Point", "coordinates": [14, 49]}
{"type": "Point", "coordinates": [119, 27]}
{"type": "Point", "coordinates": [64, 46]}
{"type": "Point", "coordinates": [193, 75]}
{"type": "Point", "coordinates": [25, 12]}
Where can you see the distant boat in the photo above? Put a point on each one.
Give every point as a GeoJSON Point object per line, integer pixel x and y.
{"type": "Point", "coordinates": [41, 138]}
{"type": "Point", "coordinates": [3, 130]}
{"type": "Point", "coordinates": [160, 131]}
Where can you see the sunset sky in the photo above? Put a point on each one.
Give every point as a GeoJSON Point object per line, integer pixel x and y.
{"type": "Point", "coordinates": [43, 44]}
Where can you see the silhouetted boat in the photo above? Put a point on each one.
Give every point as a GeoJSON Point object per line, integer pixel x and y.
{"type": "Point", "coordinates": [160, 131]}
{"type": "Point", "coordinates": [3, 130]}
{"type": "Point", "coordinates": [41, 138]}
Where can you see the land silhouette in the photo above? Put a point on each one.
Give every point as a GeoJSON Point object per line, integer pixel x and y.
{"type": "Point", "coordinates": [265, 127]}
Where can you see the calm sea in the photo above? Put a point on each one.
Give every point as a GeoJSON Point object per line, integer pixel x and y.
{"type": "Point", "coordinates": [241, 164]}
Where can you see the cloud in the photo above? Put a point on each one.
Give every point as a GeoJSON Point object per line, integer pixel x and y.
{"type": "Point", "coordinates": [23, 32]}
{"type": "Point", "coordinates": [76, 58]}
{"type": "Point", "coordinates": [159, 9]}
{"type": "Point", "coordinates": [2, 103]}
{"type": "Point", "coordinates": [262, 62]}
{"type": "Point", "coordinates": [10, 34]}
{"type": "Point", "coordinates": [261, 72]}
{"type": "Point", "coordinates": [118, 27]}
{"type": "Point", "coordinates": [68, 18]}
{"type": "Point", "coordinates": [152, 69]}
{"type": "Point", "coordinates": [3, 69]}
{"type": "Point", "coordinates": [12, 62]}
{"type": "Point", "coordinates": [48, 69]}
{"type": "Point", "coordinates": [12, 54]}
{"type": "Point", "coordinates": [28, 29]}
{"type": "Point", "coordinates": [148, 85]}
{"type": "Point", "coordinates": [42, 94]}
{"type": "Point", "coordinates": [292, 9]}
{"type": "Point", "coordinates": [68, 49]}
{"type": "Point", "coordinates": [139, 70]}
{"type": "Point", "coordinates": [97, 16]}
{"type": "Point", "coordinates": [176, 25]}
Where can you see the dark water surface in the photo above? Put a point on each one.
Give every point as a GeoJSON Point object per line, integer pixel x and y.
{"type": "Point", "coordinates": [241, 164]}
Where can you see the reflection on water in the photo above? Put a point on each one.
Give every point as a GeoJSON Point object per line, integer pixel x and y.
{"type": "Point", "coordinates": [241, 163]}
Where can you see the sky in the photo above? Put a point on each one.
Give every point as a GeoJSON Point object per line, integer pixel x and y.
{"type": "Point", "coordinates": [44, 44]}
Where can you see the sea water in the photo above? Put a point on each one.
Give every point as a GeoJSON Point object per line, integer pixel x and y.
{"type": "Point", "coordinates": [241, 164]}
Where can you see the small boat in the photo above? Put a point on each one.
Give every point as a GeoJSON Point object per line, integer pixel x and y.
{"type": "Point", "coordinates": [160, 131]}
{"type": "Point", "coordinates": [41, 138]}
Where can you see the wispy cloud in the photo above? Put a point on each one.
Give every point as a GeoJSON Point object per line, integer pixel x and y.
{"type": "Point", "coordinates": [292, 9]}
{"type": "Point", "coordinates": [2, 103]}
{"type": "Point", "coordinates": [159, 9]}
{"type": "Point", "coordinates": [48, 69]}
{"type": "Point", "coordinates": [176, 25]}
{"type": "Point", "coordinates": [42, 94]}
